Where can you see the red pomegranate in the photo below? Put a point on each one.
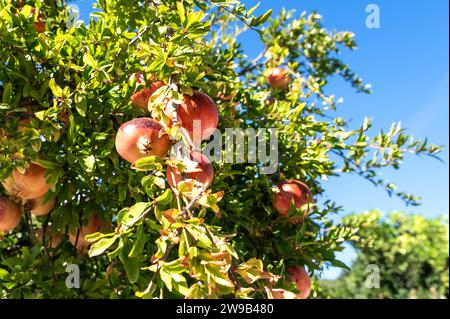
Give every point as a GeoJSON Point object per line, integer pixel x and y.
{"type": "Point", "coordinates": [203, 173]}
{"type": "Point", "coordinates": [32, 183]}
{"type": "Point", "coordinates": [140, 98]}
{"type": "Point", "coordinates": [10, 215]}
{"type": "Point", "coordinates": [301, 279]}
{"type": "Point", "coordinates": [291, 192]}
{"type": "Point", "coordinates": [39, 26]}
{"type": "Point", "coordinates": [278, 78]}
{"type": "Point", "coordinates": [38, 208]}
{"type": "Point", "coordinates": [200, 110]}
{"type": "Point", "coordinates": [140, 138]}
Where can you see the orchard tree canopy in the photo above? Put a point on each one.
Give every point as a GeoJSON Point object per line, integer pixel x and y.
{"type": "Point", "coordinates": [96, 120]}
{"type": "Point", "coordinates": [411, 254]}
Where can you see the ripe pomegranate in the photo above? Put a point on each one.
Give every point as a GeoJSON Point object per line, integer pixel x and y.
{"type": "Point", "coordinates": [199, 108]}
{"type": "Point", "coordinates": [10, 215]}
{"type": "Point", "coordinates": [38, 208]}
{"type": "Point", "coordinates": [51, 240]}
{"type": "Point", "coordinates": [203, 173]}
{"type": "Point", "coordinates": [141, 137]}
{"type": "Point", "coordinates": [278, 78]}
{"type": "Point", "coordinates": [291, 192]}
{"type": "Point", "coordinates": [301, 279]}
{"type": "Point", "coordinates": [39, 26]}
{"type": "Point", "coordinates": [31, 184]}
{"type": "Point", "coordinates": [140, 98]}
{"type": "Point", "coordinates": [93, 225]}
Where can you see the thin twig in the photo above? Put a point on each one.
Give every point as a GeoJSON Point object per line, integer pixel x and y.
{"type": "Point", "coordinates": [233, 273]}
{"type": "Point", "coordinates": [234, 14]}
{"type": "Point", "coordinates": [254, 64]}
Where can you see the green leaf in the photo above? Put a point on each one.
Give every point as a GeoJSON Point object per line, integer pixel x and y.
{"type": "Point", "coordinates": [338, 263]}
{"type": "Point", "coordinates": [149, 163]}
{"type": "Point", "coordinates": [89, 60]}
{"type": "Point", "coordinates": [249, 12]}
{"type": "Point", "coordinates": [7, 91]}
{"type": "Point", "coordinates": [90, 163]}
{"type": "Point", "coordinates": [166, 278]}
{"type": "Point", "coordinates": [46, 164]}
{"type": "Point", "coordinates": [218, 277]}
{"type": "Point", "coordinates": [56, 89]}
{"type": "Point", "coordinates": [141, 239]}
{"type": "Point", "coordinates": [3, 274]}
{"type": "Point", "coordinates": [130, 216]}
{"type": "Point", "coordinates": [102, 245]}
{"type": "Point", "coordinates": [131, 265]}
{"type": "Point", "coordinates": [4, 106]}
{"type": "Point", "coordinates": [181, 11]}
{"type": "Point", "coordinates": [165, 198]}
{"type": "Point", "coordinates": [95, 236]}
{"type": "Point", "coordinates": [81, 106]}
{"type": "Point", "coordinates": [261, 19]}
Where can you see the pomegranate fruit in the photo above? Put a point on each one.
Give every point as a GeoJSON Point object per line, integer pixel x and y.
{"type": "Point", "coordinates": [10, 215]}
{"type": "Point", "coordinates": [39, 26]}
{"type": "Point", "coordinates": [141, 137]}
{"type": "Point", "coordinates": [31, 184]}
{"type": "Point", "coordinates": [202, 174]}
{"type": "Point", "coordinates": [198, 109]}
{"type": "Point", "coordinates": [38, 208]}
{"type": "Point", "coordinates": [278, 78]}
{"type": "Point", "coordinates": [291, 192]}
{"type": "Point", "coordinates": [301, 279]}
{"type": "Point", "coordinates": [140, 98]}
{"type": "Point", "coordinates": [93, 225]}
{"type": "Point", "coordinates": [51, 240]}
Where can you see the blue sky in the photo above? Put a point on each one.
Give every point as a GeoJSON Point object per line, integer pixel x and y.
{"type": "Point", "coordinates": [406, 62]}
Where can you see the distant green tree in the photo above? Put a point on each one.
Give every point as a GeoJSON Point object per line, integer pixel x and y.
{"type": "Point", "coordinates": [412, 254]}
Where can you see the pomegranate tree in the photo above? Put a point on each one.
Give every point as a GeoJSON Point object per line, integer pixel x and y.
{"type": "Point", "coordinates": [110, 111]}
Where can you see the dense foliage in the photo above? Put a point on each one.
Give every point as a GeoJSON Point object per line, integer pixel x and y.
{"type": "Point", "coordinates": [410, 251]}
{"type": "Point", "coordinates": [73, 84]}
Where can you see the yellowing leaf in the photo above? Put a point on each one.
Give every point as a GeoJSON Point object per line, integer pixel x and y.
{"type": "Point", "coordinates": [89, 60]}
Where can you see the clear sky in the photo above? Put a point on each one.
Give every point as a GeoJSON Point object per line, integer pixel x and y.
{"type": "Point", "coordinates": [406, 62]}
